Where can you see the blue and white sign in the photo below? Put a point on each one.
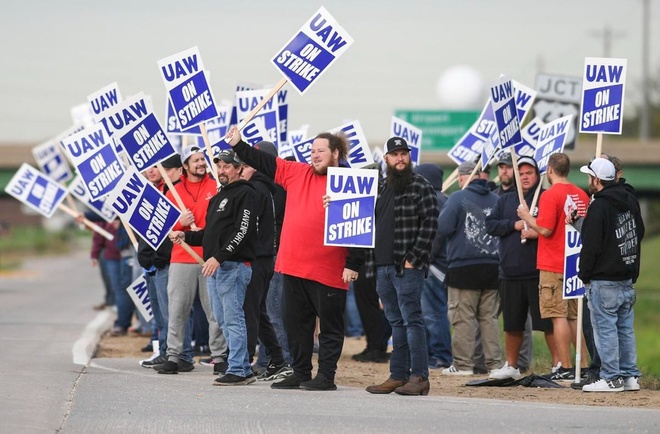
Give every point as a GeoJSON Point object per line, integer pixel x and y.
{"type": "Point", "coordinates": [485, 126]}
{"type": "Point", "coordinates": [127, 113]}
{"type": "Point", "coordinates": [216, 129]}
{"type": "Point", "coordinates": [51, 161]}
{"type": "Point", "coordinates": [552, 139]}
{"type": "Point", "coordinates": [468, 148]}
{"type": "Point", "coordinates": [36, 190]}
{"type": "Point", "coordinates": [93, 154]}
{"type": "Point", "coordinates": [359, 154]}
{"type": "Point", "coordinates": [173, 122]}
{"type": "Point", "coordinates": [573, 286]}
{"type": "Point", "coordinates": [505, 112]}
{"type": "Point", "coordinates": [524, 99]}
{"type": "Point", "coordinates": [603, 86]}
{"type": "Point", "coordinates": [146, 143]}
{"type": "Point", "coordinates": [411, 134]}
{"type": "Point", "coordinates": [188, 87]}
{"type": "Point", "coordinates": [303, 151]}
{"type": "Point", "coordinates": [147, 211]}
{"type": "Point", "coordinates": [140, 296]}
{"type": "Point", "coordinates": [255, 132]}
{"type": "Point", "coordinates": [247, 100]}
{"type": "Point", "coordinates": [349, 218]}
{"type": "Point", "coordinates": [294, 137]}
{"type": "Point", "coordinates": [283, 112]}
{"type": "Point", "coordinates": [103, 100]}
{"type": "Point", "coordinates": [530, 135]}
{"type": "Point", "coordinates": [241, 86]}
{"type": "Point", "coordinates": [488, 152]}
{"type": "Point", "coordinates": [79, 191]}
{"type": "Point", "coordinates": [311, 51]}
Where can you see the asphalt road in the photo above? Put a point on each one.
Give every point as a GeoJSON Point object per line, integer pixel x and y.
{"type": "Point", "coordinates": [46, 322]}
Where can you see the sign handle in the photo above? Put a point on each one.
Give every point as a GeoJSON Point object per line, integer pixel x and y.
{"type": "Point", "coordinates": [451, 179]}
{"type": "Point", "coordinates": [93, 226]}
{"type": "Point", "coordinates": [516, 174]}
{"type": "Point", "coordinates": [192, 253]}
{"type": "Point", "coordinates": [175, 193]}
{"type": "Point", "coordinates": [578, 340]}
{"type": "Point", "coordinates": [599, 144]}
{"type": "Point", "coordinates": [280, 84]}
{"type": "Point", "coordinates": [130, 233]}
{"type": "Point", "coordinates": [209, 152]}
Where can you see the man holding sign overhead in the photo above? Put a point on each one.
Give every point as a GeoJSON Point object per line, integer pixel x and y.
{"type": "Point", "coordinates": [316, 277]}
{"type": "Point", "coordinates": [406, 222]}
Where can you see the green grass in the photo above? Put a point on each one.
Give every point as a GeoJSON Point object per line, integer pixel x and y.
{"type": "Point", "coordinates": [20, 242]}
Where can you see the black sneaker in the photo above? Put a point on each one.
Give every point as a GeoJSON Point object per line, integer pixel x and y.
{"type": "Point", "coordinates": [562, 374]}
{"type": "Point", "coordinates": [185, 366]}
{"type": "Point", "coordinates": [219, 368]}
{"type": "Point", "coordinates": [169, 367]}
{"type": "Point", "coordinates": [290, 382]}
{"type": "Point", "coordinates": [151, 363]}
{"type": "Point", "coordinates": [234, 380]}
{"type": "Point", "coordinates": [149, 348]}
{"type": "Point", "coordinates": [320, 382]}
{"type": "Point", "coordinates": [372, 356]}
{"type": "Point", "coordinates": [276, 372]}
{"type": "Point", "coordinates": [591, 377]}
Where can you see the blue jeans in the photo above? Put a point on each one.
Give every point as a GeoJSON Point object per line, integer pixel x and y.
{"type": "Point", "coordinates": [353, 322]}
{"type": "Point", "coordinates": [160, 281]}
{"type": "Point", "coordinates": [227, 293]}
{"type": "Point", "coordinates": [157, 323]}
{"type": "Point", "coordinates": [123, 301]}
{"type": "Point", "coordinates": [434, 310]}
{"type": "Point", "coordinates": [401, 297]}
{"type": "Point", "coordinates": [274, 308]}
{"type": "Point", "coordinates": [612, 318]}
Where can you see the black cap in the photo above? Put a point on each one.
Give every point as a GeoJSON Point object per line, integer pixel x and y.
{"type": "Point", "coordinates": [267, 147]}
{"type": "Point", "coordinates": [505, 158]}
{"type": "Point", "coordinates": [396, 143]}
{"type": "Point", "coordinates": [229, 157]}
{"type": "Point", "coordinates": [173, 162]}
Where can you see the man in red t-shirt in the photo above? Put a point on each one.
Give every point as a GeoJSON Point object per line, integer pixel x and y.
{"type": "Point", "coordinates": [560, 200]}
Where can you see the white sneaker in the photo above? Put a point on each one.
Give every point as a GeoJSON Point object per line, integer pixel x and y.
{"type": "Point", "coordinates": [601, 385]}
{"type": "Point", "coordinates": [453, 371]}
{"type": "Point", "coordinates": [556, 368]}
{"type": "Point", "coordinates": [631, 384]}
{"type": "Point", "coordinates": [505, 371]}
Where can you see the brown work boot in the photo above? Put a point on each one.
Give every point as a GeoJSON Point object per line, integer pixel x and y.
{"type": "Point", "coordinates": [387, 387]}
{"type": "Point", "coordinates": [416, 385]}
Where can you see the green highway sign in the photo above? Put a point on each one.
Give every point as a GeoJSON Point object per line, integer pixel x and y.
{"type": "Point", "coordinates": [441, 129]}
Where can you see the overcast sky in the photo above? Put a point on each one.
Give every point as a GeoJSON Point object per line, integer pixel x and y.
{"type": "Point", "coordinates": [53, 54]}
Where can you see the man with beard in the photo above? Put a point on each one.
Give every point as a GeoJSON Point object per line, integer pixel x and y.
{"type": "Point", "coordinates": [228, 240]}
{"type": "Point", "coordinates": [406, 222]}
{"type": "Point", "coordinates": [316, 277]}
{"type": "Point", "coordinates": [505, 173]}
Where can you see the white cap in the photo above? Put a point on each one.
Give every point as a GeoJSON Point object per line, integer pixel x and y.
{"type": "Point", "coordinates": [600, 168]}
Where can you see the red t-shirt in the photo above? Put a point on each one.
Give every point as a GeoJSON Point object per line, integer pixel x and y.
{"type": "Point", "coordinates": [554, 205]}
{"type": "Point", "coordinates": [302, 253]}
{"type": "Point", "coordinates": [195, 196]}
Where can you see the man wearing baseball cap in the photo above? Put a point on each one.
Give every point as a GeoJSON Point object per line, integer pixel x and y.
{"type": "Point", "coordinates": [612, 233]}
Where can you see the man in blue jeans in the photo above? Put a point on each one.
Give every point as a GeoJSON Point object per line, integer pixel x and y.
{"type": "Point", "coordinates": [406, 202]}
{"type": "Point", "coordinates": [612, 233]}
{"type": "Point", "coordinates": [229, 240]}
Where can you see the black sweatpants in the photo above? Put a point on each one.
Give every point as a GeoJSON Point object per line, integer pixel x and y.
{"type": "Point", "coordinates": [303, 301]}
{"type": "Point", "coordinates": [376, 327]}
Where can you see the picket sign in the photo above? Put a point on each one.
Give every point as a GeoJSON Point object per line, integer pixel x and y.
{"type": "Point", "coordinates": [93, 226]}
{"type": "Point", "coordinates": [177, 198]}
{"type": "Point", "coordinates": [280, 84]}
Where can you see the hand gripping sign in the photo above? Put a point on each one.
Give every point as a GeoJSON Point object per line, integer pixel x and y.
{"type": "Point", "coordinates": [309, 53]}
{"type": "Point", "coordinates": [146, 210]}
{"type": "Point", "coordinates": [36, 190]}
{"type": "Point", "coordinates": [603, 85]}
{"type": "Point", "coordinates": [411, 134]}
{"type": "Point", "coordinates": [552, 139]}
{"type": "Point", "coordinates": [505, 112]}
{"type": "Point", "coordinates": [349, 218]}
{"type": "Point", "coordinates": [93, 154]}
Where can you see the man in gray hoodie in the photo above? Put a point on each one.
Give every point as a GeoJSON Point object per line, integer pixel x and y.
{"type": "Point", "coordinates": [472, 272]}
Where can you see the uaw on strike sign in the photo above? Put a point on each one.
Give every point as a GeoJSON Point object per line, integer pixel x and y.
{"type": "Point", "coordinates": [602, 95]}
{"type": "Point", "coordinates": [318, 43]}
{"type": "Point", "coordinates": [349, 218]}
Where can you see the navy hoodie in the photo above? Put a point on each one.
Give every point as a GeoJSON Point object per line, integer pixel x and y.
{"type": "Point", "coordinates": [434, 175]}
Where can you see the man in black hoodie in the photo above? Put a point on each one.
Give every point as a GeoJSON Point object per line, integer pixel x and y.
{"type": "Point", "coordinates": [228, 240]}
{"type": "Point", "coordinates": [609, 266]}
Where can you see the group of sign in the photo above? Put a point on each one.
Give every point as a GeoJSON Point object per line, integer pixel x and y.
{"type": "Point", "coordinates": [125, 137]}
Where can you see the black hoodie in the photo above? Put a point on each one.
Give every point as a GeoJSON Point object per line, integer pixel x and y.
{"type": "Point", "coordinates": [611, 235]}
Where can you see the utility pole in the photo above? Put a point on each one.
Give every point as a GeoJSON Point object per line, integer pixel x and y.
{"type": "Point", "coordinates": [644, 120]}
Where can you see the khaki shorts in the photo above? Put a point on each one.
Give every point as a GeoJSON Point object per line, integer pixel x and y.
{"type": "Point", "coordinates": [551, 302]}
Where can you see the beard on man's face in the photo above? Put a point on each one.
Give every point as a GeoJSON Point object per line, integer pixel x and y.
{"type": "Point", "coordinates": [399, 179]}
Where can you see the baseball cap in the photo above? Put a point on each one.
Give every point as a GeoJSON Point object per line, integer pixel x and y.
{"type": "Point", "coordinates": [229, 157]}
{"type": "Point", "coordinates": [267, 147]}
{"type": "Point", "coordinates": [527, 160]}
{"type": "Point", "coordinates": [505, 158]}
{"type": "Point", "coordinates": [173, 162]}
{"type": "Point", "coordinates": [600, 168]}
{"type": "Point", "coordinates": [466, 168]}
{"type": "Point", "coordinates": [396, 143]}
{"type": "Point", "coordinates": [188, 151]}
